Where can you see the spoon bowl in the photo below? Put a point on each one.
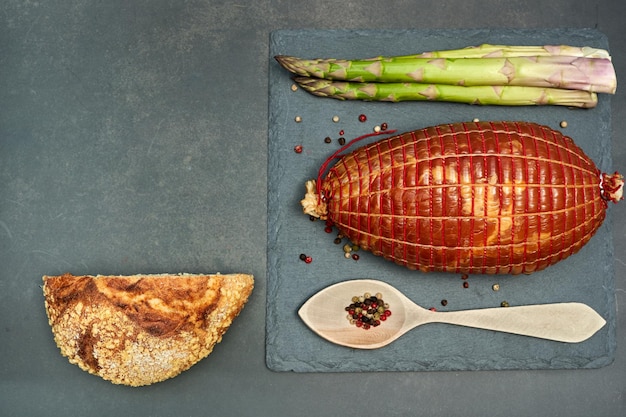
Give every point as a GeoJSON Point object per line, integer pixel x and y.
{"type": "Point", "coordinates": [324, 313]}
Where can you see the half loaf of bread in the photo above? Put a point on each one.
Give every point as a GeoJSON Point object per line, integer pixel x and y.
{"type": "Point", "coordinates": [141, 329]}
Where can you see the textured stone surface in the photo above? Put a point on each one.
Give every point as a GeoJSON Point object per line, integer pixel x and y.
{"type": "Point", "coordinates": [586, 277]}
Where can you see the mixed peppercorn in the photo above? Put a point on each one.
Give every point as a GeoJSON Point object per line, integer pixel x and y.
{"type": "Point", "coordinates": [367, 311]}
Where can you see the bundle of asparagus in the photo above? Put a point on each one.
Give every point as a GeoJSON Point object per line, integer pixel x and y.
{"type": "Point", "coordinates": [486, 74]}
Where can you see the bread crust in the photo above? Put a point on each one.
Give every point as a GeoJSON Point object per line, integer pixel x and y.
{"type": "Point", "coordinates": [141, 329]}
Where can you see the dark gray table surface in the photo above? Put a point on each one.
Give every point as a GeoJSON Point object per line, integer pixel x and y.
{"type": "Point", "coordinates": [133, 139]}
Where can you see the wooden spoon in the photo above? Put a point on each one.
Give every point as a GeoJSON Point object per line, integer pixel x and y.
{"type": "Point", "coordinates": [325, 314]}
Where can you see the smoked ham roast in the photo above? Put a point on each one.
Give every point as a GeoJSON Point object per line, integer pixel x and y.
{"type": "Point", "coordinates": [476, 198]}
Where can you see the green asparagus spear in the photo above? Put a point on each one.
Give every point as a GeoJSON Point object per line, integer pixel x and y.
{"type": "Point", "coordinates": [498, 51]}
{"type": "Point", "coordinates": [580, 73]}
{"type": "Point", "coordinates": [481, 95]}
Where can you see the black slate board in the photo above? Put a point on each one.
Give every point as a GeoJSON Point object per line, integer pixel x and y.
{"type": "Point", "coordinates": [586, 277]}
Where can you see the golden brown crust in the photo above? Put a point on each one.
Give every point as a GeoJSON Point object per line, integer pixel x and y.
{"type": "Point", "coordinates": [142, 329]}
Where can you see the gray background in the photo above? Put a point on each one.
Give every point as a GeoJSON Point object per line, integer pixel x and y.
{"type": "Point", "coordinates": [133, 138]}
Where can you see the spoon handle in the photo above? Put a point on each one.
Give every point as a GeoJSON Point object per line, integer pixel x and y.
{"type": "Point", "coordinates": [564, 322]}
